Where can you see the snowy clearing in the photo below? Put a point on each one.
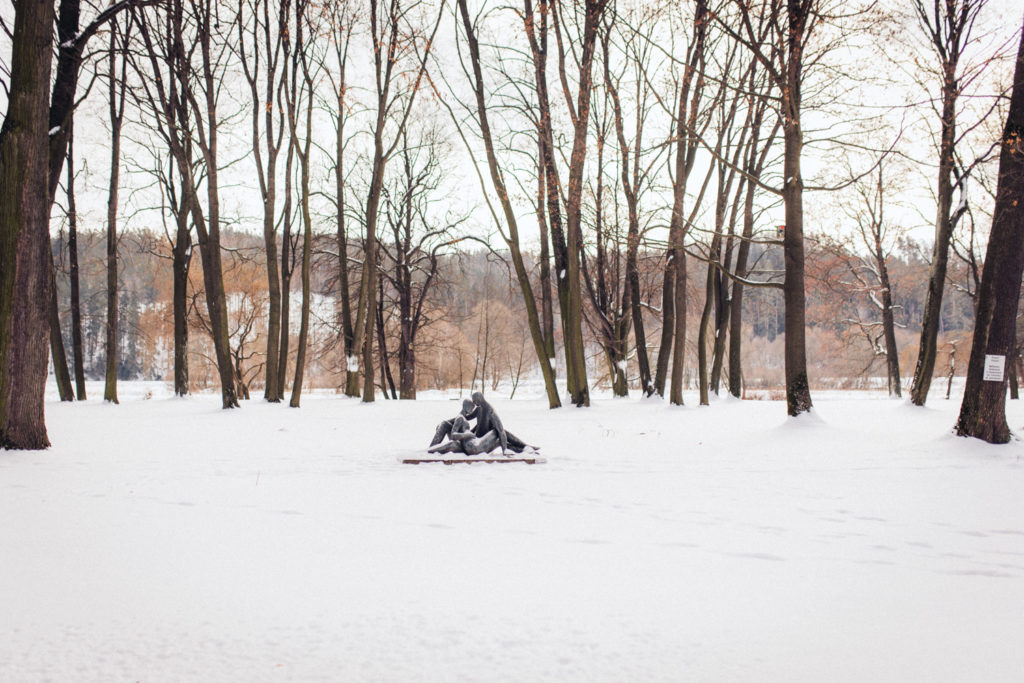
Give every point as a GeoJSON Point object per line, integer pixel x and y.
{"type": "Point", "coordinates": [167, 540]}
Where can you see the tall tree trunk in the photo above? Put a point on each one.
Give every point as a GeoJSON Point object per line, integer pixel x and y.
{"type": "Point", "coordinates": [631, 309]}
{"type": "Point", "coordinates": [943, 234]}
{"type": "Point", "coordinates": [71, 44]}
{"type": "Point", "coordinates": [181, 257]}
{"type": "Point", "coordinates": [575, 353]}
{"type": "Point", "coordinates": [892, 356]}
{"type": "Point", "coordinates": [308, 87]}
{"type": "Point", "coordinates": [209, 243]}
{"type": "Point", "coordinates": [272, 390]}
{"type": "Point", "coordinates": [59, 355]}
{"type": "Point", "coordinates": [266, 43]}
{"type": "Point", "coordinates": [307, 239]}
{"type": "Point", "coordinates": [537, 34]}
{"type": "Point", "coordinates": [983, 411]}
{"type": "Point", "coordinates": [287, 267]}
{"type": "Point", "coordinates": [547, 310]}
{"type": "Point", "coordinates": [940, 259]}
{"type": "Point", "coordinates": [736, 300]}
{"type": "Point", "coordinates": [673, 333]}
{"type": "Point", "coordinates": [307, 243]}
{"type": "Point", "coordinates": [668, 314]}
{"type": "Point", "coordinates": [370, 259]}
{"type": "Point", "coordinates": [61, 107]}
{"type": "Point", "coordinates": [116, 93]}
{"type": "Point", "coordinates": [702, 331]}
{"type": "Point", "coordinates": [757, 154]}
{"type": "Point", "coordinates": [406, 348]}
{"type": "Point", "coordinates": [76, 306]}
{"type": "Point", "coordinates": [347, 329]}
{"type": "Point", "coordinates": [798, 390]}
{"type": "Point", "coordinates": [679, 306]}
{"type": "Point", "coordinates": [24, 230]}
{"type": "Point", "coordinates": [387, 380]}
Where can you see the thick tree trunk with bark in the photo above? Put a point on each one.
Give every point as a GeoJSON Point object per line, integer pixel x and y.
{"type": "Point", "coordinates": [24, 230]}
{"type": "Point", "coordinates": [798, 390]}
{"type": "Point", "coordinates": [266, 48]}
{"type": "Point", "coordinates": [575, 353]}
{"type": "Point", "coordinates": [181, 259]}
{"type": "Point", "coordinates": [983, 411]}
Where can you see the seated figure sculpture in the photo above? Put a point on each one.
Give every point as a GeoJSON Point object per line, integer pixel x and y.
{"type": "Point", "coordinates": [444, 430]}
{"type": "Point", "coordinates": [485, 436]}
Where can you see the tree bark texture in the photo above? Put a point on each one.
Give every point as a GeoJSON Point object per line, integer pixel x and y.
{"type": "Point", "coordinates": [798, 390]}
{"type": "Point", "coordinates": [181, 259]}
{"type": "Point", "coordinates": [983, 411]}
{"type": "Point", "coordinates": [24, 230]}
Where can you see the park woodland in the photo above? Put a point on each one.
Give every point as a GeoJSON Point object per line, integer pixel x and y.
{"type": "Point", "coordinates": [562, 199]}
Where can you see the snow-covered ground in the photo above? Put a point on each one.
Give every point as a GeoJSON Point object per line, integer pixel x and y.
{"type": "Point", "coordinates": [167, 540]}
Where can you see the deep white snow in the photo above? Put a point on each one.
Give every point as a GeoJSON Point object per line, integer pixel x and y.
{"type": "Point", "coordinates": [168, 540]}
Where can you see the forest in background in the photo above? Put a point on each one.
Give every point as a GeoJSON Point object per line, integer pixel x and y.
{"type": "Point", "coordinates": [474, 334]}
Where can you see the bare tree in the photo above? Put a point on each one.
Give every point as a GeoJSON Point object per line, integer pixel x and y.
{"type": "Point", "coordinates": [634, 173]}
{"type": "Point", "coordinates": [948, 27]}
{"type": "Point", "coordinates": [302, 67]}
{"type": "Point", "coordinates": [187, 92]}
{"type": "Point", "coordinates": [71, 43]}
{"type": "Point", "coordinates": [174, 202]}
{"type": "Point", "coordinates": [400, 54]}
{"type": "Point", "coordinates": [117, 87]}
{"type": "Point", "coordinates": [983, 411]}
{"type": "Point", "coordinates": [418, 237]}
{"type": "Point", "coordinates": [575, 356]}
{"type": "Point", "coordinates": [875, 234]}
{"type": "Point", "coordinates": [784, 52]}
{"type": "Point", "coordinates": [341, 16]}
{"type": "Point", "coordinates": [511, 237]}
{"type": "Point", "coordinates": [261, 34]}
{"type": "Point", "coordinates": [757, 154]}
{"type": "Point", "coordinates": [686, 134]}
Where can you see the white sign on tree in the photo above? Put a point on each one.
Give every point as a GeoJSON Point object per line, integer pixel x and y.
{"type": "Point", "coordinates": [994, 366]}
